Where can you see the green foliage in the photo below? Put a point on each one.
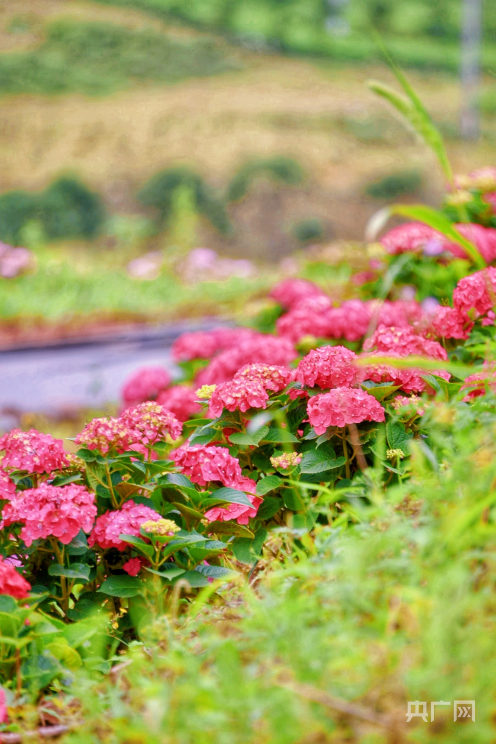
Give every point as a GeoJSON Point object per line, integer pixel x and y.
{"type": "Point", "coordinates": [159, 193]}
{"type": "Point", "coordinates": [395, 184]}
{"type": "Point", "coordinates": [65, 209]}
{"type": "Point", "coordinates": [98, 58]}
{"type": "Point", "coordinates": [309, 230]}
{"type": "Point", "coordinates": [279, 168]}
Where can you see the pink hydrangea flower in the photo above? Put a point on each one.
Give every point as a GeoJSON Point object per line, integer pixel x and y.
{"type": "Point", "coordinates": [286, 460]}
{"type": "Point", "coordinates": [477, 292]}
{"type": "Point", "coordinates": [124, 521]}
{"type": "Point", "coordinates": [14, 585]}
{"type": "Point", "coordinates": [58, 511]}
{"type": "Point", "coordinates": [104, 434]}
{"type": "Point", "coordinates": [404, 342]}
{"type": "Point", "coordinates": [409, 379]}
{"type": "Point", "coordinates": [291, 291]}
{"type": "Point", "coordinates": [133, 566]}
{"type": "Point", "coordinates": [181, 401]}
{"type": "Point", "coordinates": [310, 316]}
{"type": "Point", "coordinates": [32, 451]}
{"type": "Point", "coordinates": [260, 349]}
{"type": "Point", "coordinates": [490, 198]}
{"type": "Point", "coordinates": [148, 422]}
{"type": "Point", "coordinates": [145, 384]}
{"type": "Point", "coordinates": [7, 487]}
{"type": "Point", "coordinates": [242, 513]}
{"type": "Point", "coordinates": [206, 464]}
{"type": "Point", "coordinates": [450, 322]}
{"type": "Point", "coordinates": [478, 383]}
{"type": "Point", "coordinates": [328, 367]}
{"type": "Point", "coordinates": [412, 236]}
{"type": "Point", "coordinates": [4, 716]}
{"type": "Point", "coordinates": [248, 389]}
{"type": "Point", "coordinates": [343, 406]}
{"type": "Point", "coordinates": [204, 344]}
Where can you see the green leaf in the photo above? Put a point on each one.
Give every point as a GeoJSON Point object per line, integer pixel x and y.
{"type": "Point", "coordinates": [269, 507]}
{"type": "Point", "coordinates": [205, 436]}
{"type": "Point", "coordinates": [230, 495]}
{"type": "Point", "coordinates": [252, 439]}
{"type": "Point", "coordinates": [65, 480]}
{"type": "Point", "coordinates": [168, 573]}
{"type": "Point", "coordinates": [279, 436]}
{"type": "Point", "coordinates": [194, 578]}
{"type": "Point", "coordinates": [267, 484]}
{"type": "Point", "coordinates": [248, 551]}
{"type": "Point", "coordinates": [381, 391]}
{"type": "Point", "coordinates": [78, 545]}
{"type": "Point", "coordinates": [187, 511]}
{"type": "Point", "coordinates": [7, 604]}
{"type": "Point", "coordinates": [229, 528]}
{"type": "Point", "coordinates": [217, 572]}
{"type": "Point", "coordinates": [139, 544]}
{"type": "Point", "coordinates": [318, 462]}
{"type": "Point", "coordinates": [121, 586]}
{"type": "Point", "coordinates": [76, 571]}
{"type": "Point", "coordinates": [86, 454]}
{"type": "Point", "coordinates": [396, 435]}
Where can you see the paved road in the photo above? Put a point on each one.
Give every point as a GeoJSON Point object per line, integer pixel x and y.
{"type": "Point", "coordinates": [58, 378]}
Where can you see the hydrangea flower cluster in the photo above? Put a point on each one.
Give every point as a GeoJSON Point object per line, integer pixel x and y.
{"type": "Point", "coordinates": [260, 349]}
{"type": "Point", "coordinates": [12, 583]}
{"type": "Point", "coordinates": [104, 434]}
{"type": "Point", "coordinates": [7, 487]}
{"type": "Point", "coordinates": [206, 464]}
{"type": "Point", "coordinates": [181, 401]}
{"type": "Point", "coordinates": [290, 292]}
{"type": "Point", "coordinates": [249, 388]}
{"type": "Point", "coordinates": [410, 379]}
{"type": "Point", "coordinates": [478, 383]}
{"type": "Point", "coordinates": [150, 422]}
{"type": "Point", "coordinates": [145, 384]}
{"type": "Point", "coordinates": [343, 406]}
{"type": "Point", "coordinates": [415, 236]}
{"type": "Point", "coordinates": [286, 460]}
{"type": "Point", "coordinates": [476, 294]}
{"type": "Point", "coordinates": [58, 511]}
{"type": "Point", "coordinates": [328, 367]}
{"type": "Point", "coordinates": [133, 566]}
{"type": "Point", "coordinates": [124, 521]}
{"type": "Point", "coordinates": [205, 344]}
{"type": "Point", "coordinates": [404, 342]}
{"type": "Point", "coordinates": [413, 401]}
{"type": "Point", "coordinates": [161, 527]}
{"type": "Point", "coordinates": [450, 322]}
{"type": "Point", "coordinates": [32, 452]}
{"type": "Point", "coordinates": [242, 513]}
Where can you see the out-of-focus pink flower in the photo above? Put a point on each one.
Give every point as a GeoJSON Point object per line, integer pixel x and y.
{"type": "Point", "coordinates": [204, 344]}
{"type": "Point", "coordinates": [404, 342]}
{"type": "Point", "coordinates": [58, 511]}
{"type": "Point", "coordinates": [4, 716]}
{"type": "Point", "coordinates": [412, 402]}
{"type": "Point", "coordinates": [477, 292]}
{"type": "Point", "coordinates": [242, 513]}
{"type": "Point", "coordinates": [484, 239]}
{"type": "Point", "coordinates": [206, 464]}
{"type": "Point", "coordinates": [248, 388]}
{"type": "Point", "coordinates": [124, 521]}
{"type": "Point", "coordinates": [181, 401]}
{"type": "Point", "coordinates": [364, 277]}
{"type": "Point", "coordinates": [7, 487]}
{"type": "Point", "coordinates": [490, 198]}
{"type": "Point", "coordinates": [32, 452]}
{"type": "Point", "coordinates": [328, 367]}
{"type": "Point", "coordinates": [14, 585]}
{"type": "Point", "coordinates": [289, 292]}
{"type": "Point", "coordinates": [133, 566]}
{"type": "Point", "coordinates": [414, 236]}
{"type": "Point", "coordinates": [310, 316]}
{"type": "Point", "coordinates": [449, 322]}
{"type": "Point", "coordinates": [145, 384]}
{"type": "Point", "coordinates": [260, 349]}
{"type": "Point", "coordinates": [482, 179]}
{"type": "Point", "coordinates": [104, 434]}
{"type": "Point", "coordinates": [343, 406]}
{"type": "Point", "coordinates": [478, 383]}
{"type": "Point", "coordinates": [148, 422]}
{"type": "Point", "coordinates": [409, 379]}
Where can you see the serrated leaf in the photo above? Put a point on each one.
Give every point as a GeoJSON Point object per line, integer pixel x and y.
{"type": "Point", "coordinates": [121, 586]}
{"type": "Point", "coordinates": [396, 435]}
{"type": "Point", "coordinates": [269, 507]}
{"type": "Point", "coordinates": [279, 436]}
{"type": "Point", "coordinates": [230, 495]}
{"type": "Point", "coordinates": [76, 571]}
{"type": "Point", "coordinates": [317, 462]}
{"type": "Point", "coordinates": [267, 484]}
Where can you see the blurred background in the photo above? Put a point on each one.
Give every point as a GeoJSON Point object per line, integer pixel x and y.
{"type": "Point", "coordinates": [163, 162]}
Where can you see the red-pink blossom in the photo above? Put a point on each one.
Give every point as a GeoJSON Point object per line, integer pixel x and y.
{"type": "Point", "coordinates": [242, 513]}
{"type": "Point", "coordinates": [328, 367]}
{"type": "Point", "coordinates": [148, 422]}
{"type": "Point", "coordinates": [124, 521]}
{"type": "Point", "coordinates": [343, 406]}
{"type": "Point", "coordinates": [105, 434]}
{"type": "Point", "coordinates": [181, 401]}
{"type": "Point", "coordinates": [476, 293]}
{"type": "Point", "coordinates": [145, 384]}
{"type": "Point", "coordinates": [58, 511]}
{"type": "Point", "coordinates": [272, 376]}
{"type": "Point", "coordinates": [410, 379]}
{"type": "Point", "coordinates": [404, 342]}
{"type": "Point", "coordinates": [4, 716]}
{"type": "Point", "coordinates": [14, 585]}
{"type": "Point", "coordinates": [484, 239]}
{"type": "Point", "coordinates": [32, 451]}
{"type": "Point", "coordinates": [260, 349]}
{"type": "Point", "coordinates": [204, 344]}
{"type": "Point", "coordinates": [206, 464]}
{"type": "Point", "coordinates": [133, 566]}
{"type": "Point", "coordinates": [478, 383]}
{"type": "Point", "coordinates": [7, 487]}
{"type": "Point", "coordinates": [413, 236]}
{"type": "Point", "coordinates": [289, 292]}
{"type": "Point", "coordinates": [310, 316]}
{"type": "Point", "coordinates": [248, 389]}
{"type": "Point", "coordinates": [490, 198]}
{"type": "Point", "coordinates": [450, 322]}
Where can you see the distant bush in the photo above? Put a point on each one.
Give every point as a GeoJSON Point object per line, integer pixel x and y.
{"type": "Point", "coordinates": [159, 192]}
{"type": "Point", "coordinates": [66, 209]}
{"type": "Point", "coordinates": [101, 57]}
{"type": "Point", "coordinates": [395, 184]}
{"type": "Point", "coordinates": [279, 168]}
{"type": "Point", "coordinates": [308, 230]}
